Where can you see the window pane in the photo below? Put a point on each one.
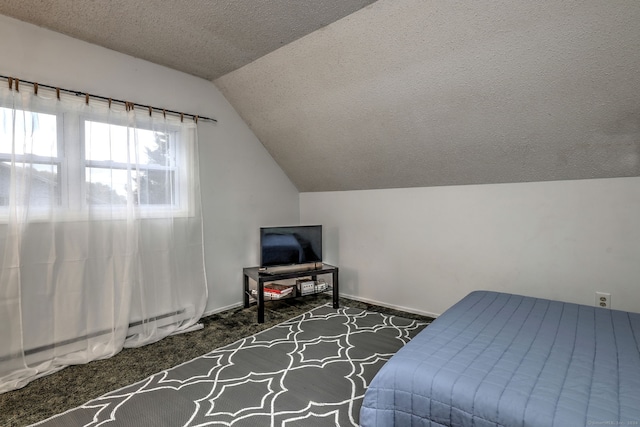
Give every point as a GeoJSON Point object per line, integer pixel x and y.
{"type": "Point", "coordinates": [156, 187]}
{"type": "Point", "coordinates": [36, 185]}
{"type": "Point", "coordinates": [107, 186]}
{"type": "Point", "coordinates": [149, 187]}
{"type": "Point", "coordinates": [104, 142]}
{"type": "Point", "coordinates": [34, 133]}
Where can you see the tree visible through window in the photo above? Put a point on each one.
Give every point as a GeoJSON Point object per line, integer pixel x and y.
{"type": "Point", "coordinates": [156, 186]}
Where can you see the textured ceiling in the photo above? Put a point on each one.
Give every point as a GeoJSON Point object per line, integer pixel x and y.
{"type": "Point", "coordinates": [424, 93]}
{"type": "Point", "coordinates": [206, 38]}
{"type": "Point", "coordinates": [399, 93]}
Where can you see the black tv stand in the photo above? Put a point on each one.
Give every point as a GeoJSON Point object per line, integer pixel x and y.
{"type": "Point", "coordinates": [261, 277]}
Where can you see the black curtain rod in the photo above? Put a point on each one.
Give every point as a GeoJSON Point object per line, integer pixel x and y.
{"type": "Point", "coordinates": [196, 118]}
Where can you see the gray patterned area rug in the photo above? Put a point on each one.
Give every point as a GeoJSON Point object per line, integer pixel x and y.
{"type": "Point", "coordinates": [312, 370]}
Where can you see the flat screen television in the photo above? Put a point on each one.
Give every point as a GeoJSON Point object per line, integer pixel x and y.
{"type": "Point", "coordinates": [287, 246]}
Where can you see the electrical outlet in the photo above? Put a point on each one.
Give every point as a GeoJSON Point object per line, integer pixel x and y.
{"type": "Point", "coordinates": [603, 299]}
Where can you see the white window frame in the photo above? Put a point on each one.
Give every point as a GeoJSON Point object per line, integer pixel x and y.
{"type": "Point", "coordinates": [59, 160]}
{"type": "Point", "coordinates": [72, 163]}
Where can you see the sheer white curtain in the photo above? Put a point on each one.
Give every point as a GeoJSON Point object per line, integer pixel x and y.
{"type": "Point", "coordinates": [100, 231]}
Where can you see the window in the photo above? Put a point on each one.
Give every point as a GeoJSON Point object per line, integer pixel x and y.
{"type": "Point", "coordinates": [77, 163]}
{"type": "Point", "coordinates": [36, 157]}
{"type": "Point", "coordinates": [116, 155]}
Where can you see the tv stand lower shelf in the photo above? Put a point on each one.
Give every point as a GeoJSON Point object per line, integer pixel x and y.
{"type": "Point", "coordinates": [261, 277]}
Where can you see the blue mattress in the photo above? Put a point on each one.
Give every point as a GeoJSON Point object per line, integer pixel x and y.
{"type": "Point", "coordinates": [496, 359]}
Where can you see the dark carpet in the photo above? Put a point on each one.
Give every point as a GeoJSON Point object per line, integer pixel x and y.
{"type": "Point", "coordinates": [76, 385]}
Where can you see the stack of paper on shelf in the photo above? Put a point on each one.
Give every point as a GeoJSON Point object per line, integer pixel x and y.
{"type": "Point", "coordinates": [275, 291]}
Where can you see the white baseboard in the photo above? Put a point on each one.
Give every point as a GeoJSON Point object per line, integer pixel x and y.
{"type": "Point", "coordinates": [221, 309]}
{"type": "Point", "coordinates": [136, 327]}
{"type": "Point", "coordinates": [365, 300]}
{"type": "Point", "coordinates": [394, 307]}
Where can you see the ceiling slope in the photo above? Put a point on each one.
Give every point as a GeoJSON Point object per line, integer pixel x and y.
{"type": "Point", "coordinates": [206, 38]}
{"type": "Point", "coordinates": [427, 93]}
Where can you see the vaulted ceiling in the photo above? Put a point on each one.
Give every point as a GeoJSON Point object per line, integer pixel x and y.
{"type": "Point", "coordinates": [352, 94]}
{"type": "Point", "coordinates": [206, 38]}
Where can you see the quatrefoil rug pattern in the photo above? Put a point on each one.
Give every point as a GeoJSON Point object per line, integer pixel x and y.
{"type": "Point", "coordinates": [312, 370]}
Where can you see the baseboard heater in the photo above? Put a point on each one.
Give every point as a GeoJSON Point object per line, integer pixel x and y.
{"type": "Point", "coordinates": [40, 349]}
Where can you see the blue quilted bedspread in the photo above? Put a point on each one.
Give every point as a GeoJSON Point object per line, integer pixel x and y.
{"type": "Point", "coordinates": [497, 359]}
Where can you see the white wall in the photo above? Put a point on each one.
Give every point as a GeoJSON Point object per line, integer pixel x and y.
{"type": "Point", "coordinates": [242, 186]}
{"type": "Point", "coordinates": [422, 249]}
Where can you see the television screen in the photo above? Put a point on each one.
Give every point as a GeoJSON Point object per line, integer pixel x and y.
{"type": "Point", "coordinates": [300, 244]}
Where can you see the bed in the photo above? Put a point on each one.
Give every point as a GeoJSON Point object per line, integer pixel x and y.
{"type": "Point", "coordinates": [496, 359]}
